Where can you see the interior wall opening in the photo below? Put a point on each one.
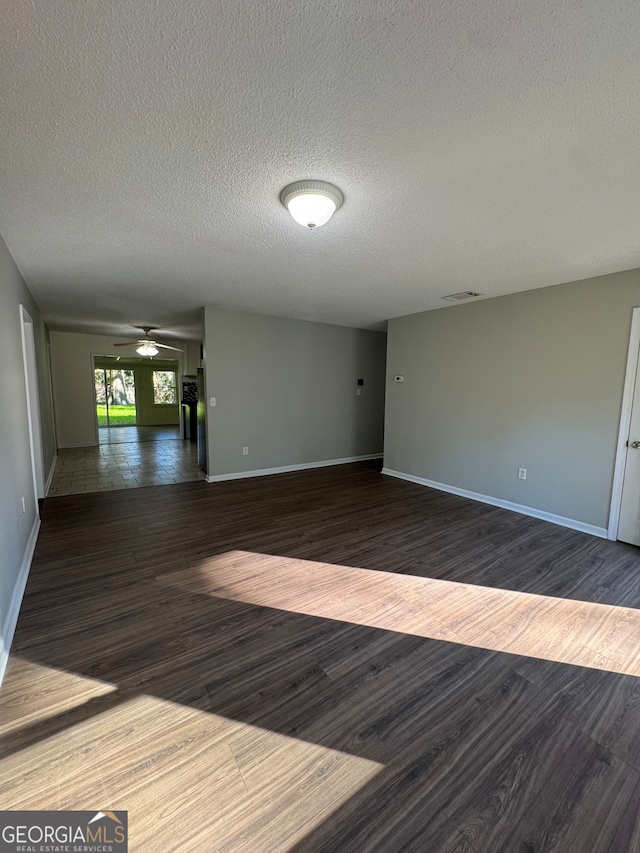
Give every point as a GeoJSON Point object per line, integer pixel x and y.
{"type": "Point", "coordinates": [136, 399]}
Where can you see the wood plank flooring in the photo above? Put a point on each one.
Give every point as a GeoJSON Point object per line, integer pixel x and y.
{"type": "Point", "coordinates": [601, 636]}
{"type": "Point", "coordinates": [326, 661]}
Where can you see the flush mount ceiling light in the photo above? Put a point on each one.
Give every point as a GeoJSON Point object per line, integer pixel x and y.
{"type": "Point", "coordinates": [147, 349]}
{"type": "Point", "coordinates": [311, 203]}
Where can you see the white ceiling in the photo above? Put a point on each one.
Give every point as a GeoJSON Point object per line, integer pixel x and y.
{"type": "Point", "coordinates": [490, 145]}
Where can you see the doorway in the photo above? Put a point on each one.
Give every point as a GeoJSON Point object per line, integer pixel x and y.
{"type": "Point", "coordinates": [624, 518]}
{"type": "Point", "coordinates": [115, 396]}
{"type": "Point", "coordinates": [33, 405]}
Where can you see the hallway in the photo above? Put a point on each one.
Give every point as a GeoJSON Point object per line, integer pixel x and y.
{"type": "Point", "coordinates": [157, 456]}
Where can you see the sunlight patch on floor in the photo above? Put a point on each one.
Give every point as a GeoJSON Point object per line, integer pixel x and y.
{"type": "Point", "coordinates": [582, 633]}
{"type": "Point", "coordinates": [185, 775]}
{"type": "Point", "coordinates": [51, 692]}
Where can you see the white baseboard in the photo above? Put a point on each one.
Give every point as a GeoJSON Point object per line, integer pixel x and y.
{"type": "Point", "coordinates": [47, 485]}
{"type": "Point", "coordinates": [9, 627]}
{"type": "Point", "coordinates": [513, 507]}
{"type": "Point", "coordinates": [283, 469]}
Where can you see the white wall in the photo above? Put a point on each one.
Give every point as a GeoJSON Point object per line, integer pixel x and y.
{"type": "Point", "coordinates": [18, 529]}
{"type": "Point", "coordinates": [531, 380]}
{"type": "Point", "coordinates": [286, 389]}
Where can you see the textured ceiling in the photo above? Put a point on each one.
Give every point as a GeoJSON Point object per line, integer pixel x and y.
{"type": "Point", "coordinates": [480, 144]}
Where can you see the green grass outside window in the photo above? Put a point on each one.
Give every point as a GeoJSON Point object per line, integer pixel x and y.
{"type": "Point", "coordinates": [118, 416]}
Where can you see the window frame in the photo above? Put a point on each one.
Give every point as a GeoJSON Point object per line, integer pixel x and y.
{"type": "Point", "coordinates": [175, 387]}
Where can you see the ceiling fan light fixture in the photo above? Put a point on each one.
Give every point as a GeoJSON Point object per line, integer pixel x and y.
{"type": "Point", "coordinates": [311, 203]}
{"type": "Point", "coordinates": [147, 349]}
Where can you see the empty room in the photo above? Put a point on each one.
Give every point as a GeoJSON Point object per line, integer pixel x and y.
{"type": "Point", "coordinates": [320, 441]}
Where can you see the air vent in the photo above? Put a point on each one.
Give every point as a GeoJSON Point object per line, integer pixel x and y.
{"type": "Point", "coordinates": [458, 297]}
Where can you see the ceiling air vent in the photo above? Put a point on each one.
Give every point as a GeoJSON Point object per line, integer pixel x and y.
{"type": "Point", "coordinates": [458, 297]}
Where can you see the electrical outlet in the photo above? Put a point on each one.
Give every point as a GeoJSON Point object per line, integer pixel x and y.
{"type": "Point", "coordinates": [245, 451]}
{"type": "Point", "coordinates": [522, 473]}
{"type": "Point", "coordinates": [359, 392]}
{"type": "Point", "coordinates": [24, 508]}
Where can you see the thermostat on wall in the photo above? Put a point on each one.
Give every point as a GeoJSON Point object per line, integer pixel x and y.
{"type": "Point", "coordinates": [398, 378]}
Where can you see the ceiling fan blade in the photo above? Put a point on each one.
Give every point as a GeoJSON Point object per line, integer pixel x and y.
{"type": "Point", "coordinates": [126, 344]}
{"type": "Point", "coordinates": [166, 346]}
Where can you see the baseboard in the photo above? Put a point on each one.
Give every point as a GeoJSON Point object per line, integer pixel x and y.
{"type": "Point", "coordinates": [284, 469]}
{"type": "Point", "coordinates": [8, 629]}
{"type": "Point", "coordinates": [80, 444]}
{"type": "Point", "coordinates": [601, 532]}
{"type": "Point", "coordinates": [47, 485]}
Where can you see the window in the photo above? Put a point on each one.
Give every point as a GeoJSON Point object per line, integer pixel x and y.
{"type": "Point", "coordinates": [164, 388]}
{"type": "Point", "coordinates": [115, 397]}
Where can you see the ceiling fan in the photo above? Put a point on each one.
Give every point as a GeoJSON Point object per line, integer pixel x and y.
{"type": "Point", "coordinates": [147, 346]}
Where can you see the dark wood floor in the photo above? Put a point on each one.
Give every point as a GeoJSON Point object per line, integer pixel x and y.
{"type": "Point", "coordinates": [194, 654]}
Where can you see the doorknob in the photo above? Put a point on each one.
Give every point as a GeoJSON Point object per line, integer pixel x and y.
{"type": "Point", "coordinates": [635, 444]}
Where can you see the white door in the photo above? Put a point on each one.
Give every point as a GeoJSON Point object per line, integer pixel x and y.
{"type": "Point", "coordinates": [629, 525]}
{"type": "Point", "coordinates": [33, 405]}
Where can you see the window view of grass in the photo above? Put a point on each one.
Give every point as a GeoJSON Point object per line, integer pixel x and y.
{"type": "Point", "coordinates": [118, 415]}
{"type": "Point", "coordinates": [115, 397]}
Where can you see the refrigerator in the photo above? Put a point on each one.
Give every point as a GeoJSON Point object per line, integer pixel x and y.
{"type": "Point", "coordinates": [202, 421]}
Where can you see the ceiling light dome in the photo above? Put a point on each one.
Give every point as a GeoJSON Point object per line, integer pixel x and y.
{"type": "Point", "coordinates": [147, 349]}
{"type": "Point", "coordinates": [311, 203]}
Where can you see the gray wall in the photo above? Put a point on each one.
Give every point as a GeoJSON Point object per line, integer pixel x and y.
{"type": "Point", "coordinates": [286, 389]}
{"type": "Point", "coordinates": [531, 380]}
{"type": "Point", "coordinates": [16, 477]}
